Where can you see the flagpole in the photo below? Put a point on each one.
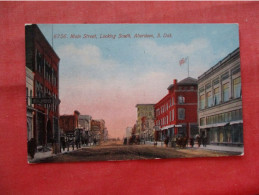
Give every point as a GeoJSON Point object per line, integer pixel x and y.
{"type": "Point", "coordinates": [188, 66]}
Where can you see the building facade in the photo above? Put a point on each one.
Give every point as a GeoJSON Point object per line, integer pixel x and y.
{"type": "Point", "coordinates": [30, 109]}
{"type": "Point", "coordinates": [176, 113]}
{"type": "Point", "coordinates": [145, 121]}
{"type": "Point", "coordinates": [128, 132]}
{"type": "Point", "coordinates": [85, 122]}
{"type": "Point", "coordinates": [69, 123]}
{"type": "Point", "coordinates": [42, 60]}
{"type": "Point", "coordinates": [97, 129]}
{"type": "Point", "coordinates": [85, 125]}
{"type": "Point", "coordinates": [220, 102]}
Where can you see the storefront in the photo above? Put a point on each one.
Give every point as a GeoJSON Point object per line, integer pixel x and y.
{"type": "Point", "coordinates": [228, 134]}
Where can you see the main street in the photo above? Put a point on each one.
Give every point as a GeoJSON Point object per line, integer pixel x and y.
{"type": "Point", "coordinates": [118, 151]}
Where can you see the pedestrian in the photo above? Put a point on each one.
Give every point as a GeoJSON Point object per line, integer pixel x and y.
{"type": "Point", "coordinates": [199, 140]}
{"type": "Point", "coordinates": [32, 147]}
{"type": "Point", "coordinates": [191, 142]}
{"type": "Point", "coordinates": [204, 141]}
{"type": "Point", "coordinates": [166, 141]}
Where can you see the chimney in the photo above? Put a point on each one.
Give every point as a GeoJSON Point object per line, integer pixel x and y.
{"type": "Point", "coordinates": [175, 81]}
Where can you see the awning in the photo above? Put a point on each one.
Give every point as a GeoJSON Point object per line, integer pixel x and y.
{"type": "Point", "coordinates": [236, 122]}
{"type": "Point", "coordinates": [167, 127]}
{"type": "Point", "coordinates": [214, 125]}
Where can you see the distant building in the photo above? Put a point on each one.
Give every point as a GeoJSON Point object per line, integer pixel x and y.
{"type": "Point", "coordinates": [69, 123]}
{"type": "Point", "coordinates": [176, 113]}
{"type": "Point", "coordinates": [85, 122]}
{"type": "Point", "coordinates": [105, 134]}
{"type": "Point", "coordinates": [128, 132]}
{"type": "Point", "coordinates": [145, 121]}
{"type": "Point", "coordinates": [42, 60]}
{"type": "Point", "coordinates": [97, 129]}
{"type": "Point", "coordinates": [220, 102]}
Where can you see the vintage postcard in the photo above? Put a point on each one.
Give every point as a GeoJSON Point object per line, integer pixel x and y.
{"type": "Point", "coordinates": [98, 92]}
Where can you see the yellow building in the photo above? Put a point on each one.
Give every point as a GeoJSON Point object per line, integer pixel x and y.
{"type": "Point", "coordinates": [145, 121]}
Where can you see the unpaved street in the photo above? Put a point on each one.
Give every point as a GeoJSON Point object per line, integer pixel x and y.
{"type": "Point", "coordinates": [117, 151]}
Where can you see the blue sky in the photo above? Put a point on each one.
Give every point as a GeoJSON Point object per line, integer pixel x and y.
{"type": "Point", "coordinates": [106, 77]}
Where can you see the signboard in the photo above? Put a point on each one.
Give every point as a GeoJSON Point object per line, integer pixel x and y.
{"type": "Point", "coordinates": [45, 100]}
{"type": "Point", "coordinates": [42, 100]}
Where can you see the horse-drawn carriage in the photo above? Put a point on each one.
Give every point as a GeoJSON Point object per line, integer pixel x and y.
{"type": "Point", "coordinates": [180, 142]}
{"type": "Point", "coordinates": [71, 138]}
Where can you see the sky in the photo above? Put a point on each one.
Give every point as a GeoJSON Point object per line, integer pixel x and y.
{"type": "Point", "coordinates": [105, 76]}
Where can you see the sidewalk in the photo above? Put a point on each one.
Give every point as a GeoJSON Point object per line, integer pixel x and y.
{"type": "Point", "coordinates": [208, 147]}
{"type": "Point", "coordinates": [222, 148]}
{"type": "Point", "coordinates": [42, 155]}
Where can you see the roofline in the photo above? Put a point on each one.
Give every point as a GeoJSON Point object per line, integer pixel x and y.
{"type": "Point", "coordinates": [36, 26]}
{"type": "Point", "coordinates": [145, 105]}
{"type": "Point", "coordinates": [162, 99]}
{"type": "Point", "coordinates": [234, 53]}
{"type": "Point", "coordinates": [181, 84]}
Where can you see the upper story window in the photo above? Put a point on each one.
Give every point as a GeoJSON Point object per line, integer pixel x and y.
{"type": "Point", "coordinates": [202, 101]}
{"type": "Point", "coordinates": [216, 96]}
{"type": "Point", "coordinates": [226, 92]}
{"type": "Point", "coordinates": [237, 87]}
{"type": "Point", "coordinates": [181, 114]}
{"type": "Point", "coordinates": [209, 99]}
{"type": "Point", "coordinates": [30, 97]}
{"type": "Point", "coordinates": [27, 93]}
{"type": "Point", "coordinates": [181, 100]}
{"type": "Point", "coordinates": [202, 121]}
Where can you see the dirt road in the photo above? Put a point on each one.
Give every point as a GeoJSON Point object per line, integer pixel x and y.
{"type": "Point", "coordinates": [117, 151]}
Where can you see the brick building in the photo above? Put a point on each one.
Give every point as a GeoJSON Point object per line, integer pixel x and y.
{"type": "Point", "coordinates": [42, 60]}
{"type": "Point", "coordinates": [68, 123]}
{"type": "Point", "coordinates": [176, 113]}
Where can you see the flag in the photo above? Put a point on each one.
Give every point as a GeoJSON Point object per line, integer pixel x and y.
{"type": "Point", "coordinates": [182, 61]}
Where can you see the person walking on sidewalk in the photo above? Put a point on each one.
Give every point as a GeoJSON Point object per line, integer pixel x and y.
{"type": "Point", "coordinates": [204, 141]}
{"type": "Point", "coordinates": [199, 140]}
{"type": "Point", "coordinates": [191, 142]}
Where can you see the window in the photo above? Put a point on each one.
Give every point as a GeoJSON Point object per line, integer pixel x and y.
{"type": "Point", "coordinates": [30, 96]}
{"type": "Point", "coordinates": [172, 100]}
{"type": "Point", "coordinates": [202, 101]}
{"type": "Point", "coordinates": [181, 113]}
{"type": "Point", "coordinates": [237, 87]}
{"type": "Point", "coordinates": [27, 95]}
{"type": "Point", "coordinates": [225, 92]}
{"type": "Point", "coordinates": [216, 96]}
{"type": "Point", "coordinates": [209, 99]}
{"type": "Point", "coordinates": [202, 121]}
{"type": "Point", "coordinates": [181, 99]}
